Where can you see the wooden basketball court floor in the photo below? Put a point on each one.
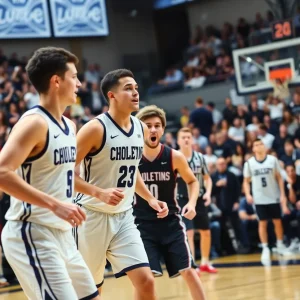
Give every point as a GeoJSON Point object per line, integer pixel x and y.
{"type": "Point", "coordinates": [240, 277]}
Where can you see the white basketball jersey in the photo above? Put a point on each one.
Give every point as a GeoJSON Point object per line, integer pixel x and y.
{"type": "Point", "coordinates": [51, 171]}
{"type": "Point", "coordinates": [115, 164]}
{"type": "Point", "coordinates": [265, 189]}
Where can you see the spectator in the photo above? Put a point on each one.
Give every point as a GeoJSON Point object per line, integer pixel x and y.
{"type": "Point", "coordinates": [275, 107]}
{"type": "Point", "coordinates": [96, 99]}
{"type": "Point", "coordinates": [185, 115]}
{"type": "Point", "coordinates": [91, 75]}
{"type": "Point", "coordinates": [216, 114]}
{"type": "Point", "coordinates": [253, 126]}
{"type": "Point", "coordinates": [226, 190]}
{"type": "Point", "coordinates": [237, 161]}
{"type": "Point", "coordinates": [170, 141]}
{"type": "Point", "coordinates": [237, 131]}
{"type": "Point", "coordinates": [251, 137]}
{"type": "Point", "coordinates": [209, 157]}
{"type": "Point", "coordinates": [31, 98]}
{"type": "Point", "coordinates": [292, 191]}
{"type": "Point", "coordinates": [249, 225]}
{"type": "Point", "coordinates": [280, 139]}
{"type": "Point", "coordinates": [201, 118]}
{"type": "Point", "coordinates": [221, 148]}
{"type": "Point", "coordinates": [214, 214]}
{"type": "Point", "coordinates": [13, 115]}
{"type": "Point", "coordinates": [224, 125]}
{"type": "Point", "coordinates": [3, 129]}
{"type": "Point", "coordinates": [172, 81]}
{"type": "Point", "coordinates": [266, 137]}
{"type": "Point", "coordinates": [254, 109]}
{"type": "Point", "coordinates": [290, 122]}
{"type": "Point", "coordinates": [295, 104]}
{"type": "Point", "coordinates": [243, 28]}
{"type": "Point", "coordinates": [199, 139]}
{"type": "Point", "coordinates": [290, 154]}
{"type": "Point", "coordinates": [230, 111]}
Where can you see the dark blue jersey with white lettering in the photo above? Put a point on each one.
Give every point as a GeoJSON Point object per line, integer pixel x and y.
{"type": "Point", "coordinates": [160, 178]}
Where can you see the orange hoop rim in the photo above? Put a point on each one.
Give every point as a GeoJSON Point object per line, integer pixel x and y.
{"type": "Point", "coordinates": [282, 74]}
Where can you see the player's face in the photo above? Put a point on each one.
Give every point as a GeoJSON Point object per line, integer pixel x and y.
{"type": "Point", "coordinates": [259, 148]}
{"type": "Point", "coordinates": [156, 131]}
{"type": "Point", "coordinates": [185, 140]}
{"type": "Point", "coordinates": [68, 87]}
{"type": "Point", "coordinates": [126, 95]}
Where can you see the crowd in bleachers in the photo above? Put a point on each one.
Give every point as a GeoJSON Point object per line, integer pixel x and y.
{"type": "Point", "coordinates": [17, 94]}
{"type": "Point", "coordinates": [225, 138]}
{"type": "Point", "coordinates": [209, 56]}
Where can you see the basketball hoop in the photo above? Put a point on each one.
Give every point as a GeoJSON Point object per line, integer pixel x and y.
{"type": "Point", "coordinates": [280, 80]}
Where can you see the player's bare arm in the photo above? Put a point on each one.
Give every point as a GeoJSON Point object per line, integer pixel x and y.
{"type": "Point", "coordinates": [283, 199]}
{"type": "Point", "coordinates": [27, 139]}
{"type": "Point", "coordinates": [89, 140]}
{"type": "Point", "coordinates": [208, 186]}
{"type": "Point", "coordinates": [248, 195]}
{"type": "Point", "coordinates": [181, 165]}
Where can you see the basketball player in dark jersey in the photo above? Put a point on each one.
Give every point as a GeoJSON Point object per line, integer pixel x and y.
{"type": "Point", "coordinates": [166, 238]}
{"type": "Point", "coordinates": [201, 221]}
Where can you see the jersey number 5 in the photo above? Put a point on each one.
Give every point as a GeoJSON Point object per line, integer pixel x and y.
{"type": "Point", "coordinates": [263, 182]}
{"type": "Point", "coordinates": [123, 180]}
{"type": "Point", "coordinates": [69, 183]}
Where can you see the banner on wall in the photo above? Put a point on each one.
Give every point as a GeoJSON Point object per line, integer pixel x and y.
{"type": "Point", "coordinates": [24, 19]}
{"type": "Point", "coordinates": [79, 18]}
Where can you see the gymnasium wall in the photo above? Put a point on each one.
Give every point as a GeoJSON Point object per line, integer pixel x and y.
{"type": "Point", "coordinates": [216, 12]}
{"type": "Point", "coordinates": [127, 36]}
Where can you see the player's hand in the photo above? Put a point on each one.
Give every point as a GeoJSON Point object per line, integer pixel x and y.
{"type": "Point", "coordinates": [207, 199]}
{"type": "Point", "coordinates": [286, 210]}
{"type": "Point", "coordinates": [188, 211]}
{"type": "Point", "coordinates": [249, 199]}
{"type": "Point", "coordinates": [70, 213]}
{"type": "Point", "coordinates": [253, 217]}
{"type": "Point", "coordinates": [159, 206]}
{"type": "Point", "coordinates": [111, 196]}
{"type": "Point", "coordinates": [221, 182]}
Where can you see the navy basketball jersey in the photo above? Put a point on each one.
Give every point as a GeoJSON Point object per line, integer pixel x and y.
{"type": "Point", "coordinates": [160, 179]}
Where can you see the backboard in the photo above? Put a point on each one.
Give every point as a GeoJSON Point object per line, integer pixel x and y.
{"type": "Point", "coordinates": [256, 66]}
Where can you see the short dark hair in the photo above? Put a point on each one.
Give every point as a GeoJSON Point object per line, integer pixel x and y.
{"type": "Point", "coordinates": [199, 101]}
{"type": "Point", "coordinates": [263, 127]}
{"type": "Point", "coordinates": [47, 62]}
{"type": "Point", "coordinates": [211, 104]}
{"type": "Point", "coordinates": [111, 79]}
{"type": "Point", "coordinates": [257, 140]}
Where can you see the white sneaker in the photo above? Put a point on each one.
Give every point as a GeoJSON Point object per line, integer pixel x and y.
{"type": "Point", "coordinates": [283, 250]}
{"type": "Point", "coordinates": [266, 256]}
{"type": "Point", "coordinates": [294, 246]}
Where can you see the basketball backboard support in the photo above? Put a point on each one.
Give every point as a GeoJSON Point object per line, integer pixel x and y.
{"type": "Point", "coordinates": [253, 65]}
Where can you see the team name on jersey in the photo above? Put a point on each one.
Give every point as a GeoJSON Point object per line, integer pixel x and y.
{"type": "Point", "coordinates": [262, 171]}
{"type": "Point", "coordinates": [126, 153]}
{"type": "Point", "coordinates": [64, 155]}
{"type": "Point", "coordinates": [156, 176]}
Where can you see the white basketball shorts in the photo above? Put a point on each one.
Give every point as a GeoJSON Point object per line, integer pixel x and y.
{"type": "Point", "coordinates": [114, 237]}
{"type": "Point", "coordinates": [47, 262]}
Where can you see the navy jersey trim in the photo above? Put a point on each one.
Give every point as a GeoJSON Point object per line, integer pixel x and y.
{"type": "Point", "coordinates": [44, 150]}
{"type": "Point", "coordinates": [142, 129]}
{"type": "Point", "coordinates": [124, 271]}
{"type": "Point", "coordinates": [103, 140]}
{"type": "Point", "coordinates": [128, 134]}
{"type": "Point", "coordinates": [158, 155]}
{"type": "Point", "coordinates": [261, 161]}
{"type": "Point", "coordinates": [92, 296]}
{"type": "Point", "coordinates": [66, 130]}
{"type": "Point", "coordinates": [38, 260]}
{"type": "Point", "coordinates": [30, 255]}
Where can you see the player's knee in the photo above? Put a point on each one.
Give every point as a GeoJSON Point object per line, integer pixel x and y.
{"type": "Point", "coordinates": [205, 233]}
{"type": "Point", "coordinates": [263, 224]}
{"type": "Point", "coordinates": [146, 283]}
{"type": "Point", "coordinates": [188, 274]}
{"type": "Point", "coordinates": [190, 233]}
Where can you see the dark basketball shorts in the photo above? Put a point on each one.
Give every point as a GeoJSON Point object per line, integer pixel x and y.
{"type": "Point", "coordinates": [268, 211]}
{"type": "Point", "coordinates": [201, 220]}
{"type": "Point", "coordinates": [165, 239]}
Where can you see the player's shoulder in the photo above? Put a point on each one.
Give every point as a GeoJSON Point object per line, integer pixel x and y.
{"type": "Point", "coordinates": [177, 156]}
{"type": "Point", "coordinates": [95, 125]}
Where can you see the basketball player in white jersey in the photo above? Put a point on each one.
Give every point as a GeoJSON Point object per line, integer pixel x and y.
{"type": "Point", "coordinates": [201, 222]}
{"type": "Point", "coordinates": [268, 195]}
{"type": "Point", "coordinates": [37, 169]}
{"type": "Point", "coordinates": [110, 148]}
